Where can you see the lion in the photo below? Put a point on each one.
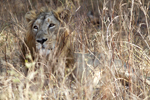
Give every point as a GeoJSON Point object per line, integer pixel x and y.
{"type": "Point", "coordinates": [47, 33]}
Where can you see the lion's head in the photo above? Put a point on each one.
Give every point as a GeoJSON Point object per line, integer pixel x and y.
{"type": "Point", "coordinates": [46, 29]}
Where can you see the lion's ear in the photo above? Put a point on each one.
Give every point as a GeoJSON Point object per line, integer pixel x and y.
{"type": "Point", "coordinates": [62, 14]}
{"type": "Point", "coordinates": [30, 15]}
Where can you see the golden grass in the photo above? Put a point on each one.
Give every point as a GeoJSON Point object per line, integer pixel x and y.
{"type": "Point", "coordinates": [112, 58]}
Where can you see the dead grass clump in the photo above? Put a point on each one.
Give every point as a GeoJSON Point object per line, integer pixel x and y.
{"type": "Point", "coordinates": [111, 52]}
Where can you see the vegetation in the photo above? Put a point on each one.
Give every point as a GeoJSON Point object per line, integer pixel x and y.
{"type": "Point", "coordinates": [111, 40]}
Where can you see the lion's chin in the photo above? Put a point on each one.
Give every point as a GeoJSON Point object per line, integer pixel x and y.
{"type": "Point", "coordinates": [44, 52]}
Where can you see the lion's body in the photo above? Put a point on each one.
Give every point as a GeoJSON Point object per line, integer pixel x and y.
{"type": "Point", "coordinates": [46, 34]}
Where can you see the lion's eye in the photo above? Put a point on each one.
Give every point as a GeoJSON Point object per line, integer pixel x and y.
{"type": "Point", "coordinates": [35, 27]}
{"type": "Point", "coordinates": [51, 25]}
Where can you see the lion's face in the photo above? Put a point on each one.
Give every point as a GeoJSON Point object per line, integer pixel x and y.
{"type": "Point", "coordinates": [45, 29]}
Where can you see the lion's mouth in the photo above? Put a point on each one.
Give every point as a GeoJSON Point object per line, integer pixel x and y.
{"type": "Point", "coordinates": [42, 49]}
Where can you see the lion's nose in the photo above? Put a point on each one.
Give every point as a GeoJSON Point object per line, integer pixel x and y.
{"type": "Point", "coordinates": [41, 40]}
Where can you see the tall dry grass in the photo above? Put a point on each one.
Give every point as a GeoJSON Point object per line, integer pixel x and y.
{"type": "Point", "coordinates": [111, 49]}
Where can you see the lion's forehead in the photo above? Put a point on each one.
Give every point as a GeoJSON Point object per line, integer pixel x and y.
{"type": "Point", "coordinates": [46, 18]}
{"type": "Point", "coordinates": [45, 14]}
